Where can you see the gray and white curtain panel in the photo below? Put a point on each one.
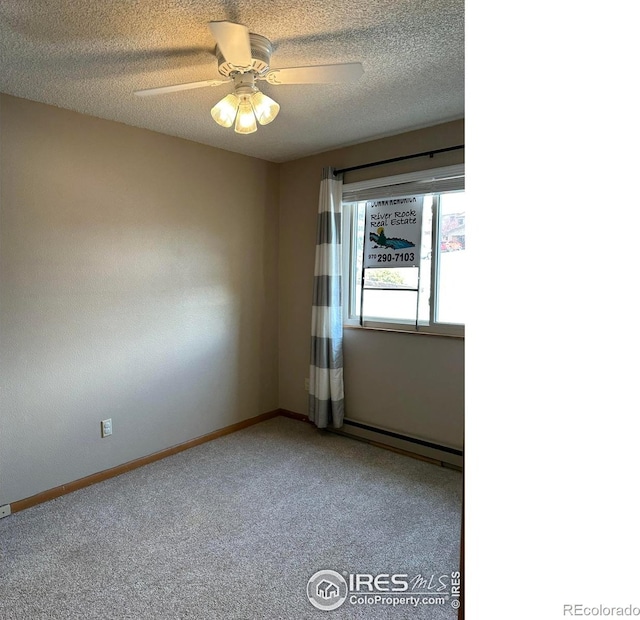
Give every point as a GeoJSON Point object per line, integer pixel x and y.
{"type": "Point", "coordinates": [326, 386]}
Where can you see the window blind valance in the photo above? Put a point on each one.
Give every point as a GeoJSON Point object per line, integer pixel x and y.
{"type": "Point", "coordinates": [435, 181]}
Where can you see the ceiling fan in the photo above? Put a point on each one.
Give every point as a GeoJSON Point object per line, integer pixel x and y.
{"type": "Point", "coordinates": [243, 58]}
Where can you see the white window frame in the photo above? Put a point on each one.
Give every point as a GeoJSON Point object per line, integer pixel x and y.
{"type": "Point", "coordinates": [435, 182]}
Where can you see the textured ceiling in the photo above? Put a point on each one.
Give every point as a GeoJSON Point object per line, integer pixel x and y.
{"type": "Point", "coordinates": [90, 56]}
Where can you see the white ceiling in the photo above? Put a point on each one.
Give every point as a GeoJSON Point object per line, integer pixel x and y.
{"type": "Point", "coordinates": [91, 55]}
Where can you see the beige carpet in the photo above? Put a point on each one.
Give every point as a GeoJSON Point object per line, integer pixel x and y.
{"type": "Point", "coordinates": [234, 529]}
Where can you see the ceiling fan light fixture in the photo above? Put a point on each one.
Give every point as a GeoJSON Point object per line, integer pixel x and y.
{"type": "Point", "coordinates": [265, 108]}
{"type": "Point", "coordinates": [224, 112]}
{"type": "Point", "coordinates": [245, 120]}
{"type": "Point", "coordinates": [244, 58]}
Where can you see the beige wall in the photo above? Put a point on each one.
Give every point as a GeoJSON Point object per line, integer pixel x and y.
{"type": "Point", "coordinates": [167, 285]}
{"type": "Point", "coordinates": [412, 384]}
{"type": "Point", "coordinates": [138, 282]}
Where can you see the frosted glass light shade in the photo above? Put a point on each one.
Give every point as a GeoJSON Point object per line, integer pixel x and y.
{"type": "Point", "coordinates": [266, 109]}
{"type": "Point", "coordinates": [245, 121]}
{"type": "Point", "coordinates": [224, 112]}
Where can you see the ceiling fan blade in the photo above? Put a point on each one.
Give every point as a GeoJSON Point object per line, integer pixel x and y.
{"type": "Point", "coordinates": [161, 90]}
{"type": "Point", "coordinates": [320, 74]}
{"type": "Point", "coordinates": [233, 41]}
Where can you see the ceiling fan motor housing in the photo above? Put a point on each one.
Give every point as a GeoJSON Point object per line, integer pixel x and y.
{"type": "Point", "coordinates": [261, 50]}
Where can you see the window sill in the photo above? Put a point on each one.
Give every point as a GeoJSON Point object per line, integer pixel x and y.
{"type": "Point", "coordinates": [399, 330]}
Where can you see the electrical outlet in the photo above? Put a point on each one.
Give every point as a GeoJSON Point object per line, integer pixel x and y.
{"type": "Point", "coordinates": [306, 384]}
{"type": "Point", "coordinates": [5, 510]}
{"type": "Point", "coordinates": [106, 428]}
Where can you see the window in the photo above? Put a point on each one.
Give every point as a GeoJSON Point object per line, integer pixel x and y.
{"type": "Point", "coordinates": [409, 233]}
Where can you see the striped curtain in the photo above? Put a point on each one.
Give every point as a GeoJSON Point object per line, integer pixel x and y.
{"type": "Point", "coordinates": [326, 387]}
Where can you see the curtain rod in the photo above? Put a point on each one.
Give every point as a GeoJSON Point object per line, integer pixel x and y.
{"type": "Point", "coordinates": [390, 161]}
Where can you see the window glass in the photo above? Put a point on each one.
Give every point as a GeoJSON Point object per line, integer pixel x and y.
{"type": "Point", "coordinates": [429, 296]}
{"type": "Point", "coordinates": [452, 263]}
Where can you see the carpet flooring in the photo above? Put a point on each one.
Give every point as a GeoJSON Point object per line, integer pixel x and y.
{"type": "Point", "coordinates": [233, 529]}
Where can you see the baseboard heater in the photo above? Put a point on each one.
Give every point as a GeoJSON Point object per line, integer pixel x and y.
{"type": "Point", "coordinates": [429, 449]}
